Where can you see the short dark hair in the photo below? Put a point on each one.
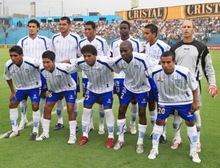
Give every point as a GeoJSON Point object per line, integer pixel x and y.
{"type": "Point", "coordinates": [127, 23]}
{"type": "Point", "coordinates": [66, 18]}
{"type": "Point", "coordinates": [34, 21]}
{"type": "Point", "coordinates": [49, 54]}
{"type": "Point", "coordinates": [169, 53]}
{"type": "Point", "coordinates": [91, 23]}
{"type": "Point", "coordinates": [153, 28]}
{"type": "Point", "coordinates": [16, 49]}
{"type": "Point", "coordinates": [90, 49]}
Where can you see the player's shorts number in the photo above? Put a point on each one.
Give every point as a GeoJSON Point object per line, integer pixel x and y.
{"type": "Point", "coordinates": [161, 110]}
{"type": "Point", "coordinates": [122, 95]}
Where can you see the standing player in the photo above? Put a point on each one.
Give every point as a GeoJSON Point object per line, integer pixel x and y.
{"type": "Point", "coordinates": [177, 88]}
{"type": "Point", "coordinates": [61, 85]}
{"type": "Point", "coordinates": [154, 49]}
{"type": "Point", "coordinates": [195, 56]}
{"type": "Point", "coordinates": [102, 48]}
{"type": "Point", "coordinates": [65, 46]}
{"type": "Point", "coordinates": [24, 71]}
{"type": "Point", "coordinates": [119, 78]}
{"type": "Point", "coordinates": [100, 86]}
{"type": "Point", "coordinates": [136, 86]}
{"type": "Point", "coordinates": [33, 46]}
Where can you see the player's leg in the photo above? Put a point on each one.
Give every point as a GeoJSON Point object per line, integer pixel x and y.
{"type": "Point", "coordinates": [107, 100]}
{"type": "Point", "coordinates": [71, 114]}
{"type": "Point", "coordinates": [177, 121]}
{"type": "Point", "coordinates": [35, 99]}
{"type": "Point", "coordinates": [189, 118]}
{"type": "Point", "coordinates": [43, 93]}
{"type": "Point", "coordinates": [89, 100]}
{"type": "Point", "coordinates": [134, 110]}
{"type": "Point", "coordinates": [198, 128]}
{"type": "Point", "coordinates": [101, 119]}
{"type": "Point", "coordinates": [23, 110]}
{"type": "Point", "coordinates": [59, 109]}
{"type": "Point", "coordinates": [51, 100]}
{"type": "Point", "coordinates": [163, 113]}
{"type": "Point", "coordinates": [125, 99]}
{"type": "Point", "coordinates": [142, 126]}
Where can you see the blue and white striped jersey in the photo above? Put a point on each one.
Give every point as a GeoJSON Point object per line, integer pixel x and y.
{"type": "Point", "coordinates": [115, 48]}
{"type": "Point", "coordinates": [100, 78]}
{"type": "Point", "coordinates": [26, 76]}
{"type": "Point", "coordinates": [157, 49]}
{"type": "Point", "coordinates": [65, 47]}
{"type": "Point", "coordinates": [135, 72]}
{"type": "Point", "coordinates": [34, 48]}
{"type": "Point", "coordinates": [60, 79]}
{"type": "Point", "coordinates": [175, 88]}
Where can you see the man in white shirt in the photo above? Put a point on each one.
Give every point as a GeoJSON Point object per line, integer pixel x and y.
{"type": "Point", "coordinates": [136, 86]}
{"type": "Point", "coordinates": [33, 46]}
{"type": "Point", "coordinates": [65, 45]}
{"type": "Point", "coordinates": [25, 73]}
{"type": "Point", "coordinates": [61, 85]}
{"type": "Point", "coordinates": [177, 88]}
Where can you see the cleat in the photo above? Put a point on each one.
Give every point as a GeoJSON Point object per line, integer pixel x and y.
{"type": "Point", "coordinates": [118, 145]}
{"type": "Point", "coordinates": [33, 136]}
{"type": "Point", "coordinates": [176, 143]}
{"type": "Point", "coordinates": [42, 137]}
{"type": "Point", "coordinates": [195, 157]}
{"type": "Point", "coordinates": [153, 154]}
{"type": "Point", "coordinates": [133, 129]}
{"type": "Point", "coordinates": [58, 126]}
{"type": "Point", "coordinates": [77, 128]}
{"type": "Point", "coordinates": [140, 148]}
{"type": "Point", "coordinates": [11, 134]}
{"type": "Point", "coordinates": [101, 128]}
{"type": "Point", "coordinates": [109, 143]}
{"type": "Point", "coordinates": [162, 139]}
{"type": "Point", "coordinates": [22, 125]}
{"type": "Point", "coordinates": [198, 147]}
{"type": "Point", "coordinates": [83, 140]}
{"type": "Point", "coordinates": [72, 140]}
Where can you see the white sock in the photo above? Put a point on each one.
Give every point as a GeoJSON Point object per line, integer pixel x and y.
{"type": "Point", "coordinates": [36, 121]}
{"type": "Point", "coordinates": [121, 127]}
{"type": "Point", "coordinates": [86, 118]}
{"type": "Point", "coordinates": [23, 109]}
{"type": "Point", "coordinates": [177, 121]}
{"type": "Point", "coordinates": [60, 111]}
{"type": "Point", "coordinates": [110, 121]}
{"type": "Point", "coordinates": [101, 114]}
{"type": "Point", "coordinates": [157, 131]}
{"type": "Point", "coordinates": [134, 110]}
{"type": "Point", "coordinates": [42, 102]}
{"type": "Point", "coordinates": [198, 123]}
{"type": "Point", "coordinates": [165, 129]}
{"type": "Point", "coordinates": [14, 119]}
{"type": "Point", "coordinates": [72, 127]}
{"type": "Point", "coordinates": [192, 135]}
{"type": "Point", "coordinates": [153, 117]}
{"type": "Point", "coordinates": [141, 133]}
{"type": "Point", "coordinates": [45, 125]}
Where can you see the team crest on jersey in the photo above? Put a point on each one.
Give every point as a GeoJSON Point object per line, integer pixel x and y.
{"type": "Point", "coordinates": [57, 41]}
{"type": "Point", "coordinates": [136, 66]}
{"type": "Point", "coordinates": [26, 43]}
{"type": "Point", "coordinates": [159, 79]}
{"type": "Point", "coordinates": [177, 81]}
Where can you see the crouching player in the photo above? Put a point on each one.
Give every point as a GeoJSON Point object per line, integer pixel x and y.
{"type": "Point", "coordinates": [61, 85]}
{"type": "Point", "coordinates": [177, 89]}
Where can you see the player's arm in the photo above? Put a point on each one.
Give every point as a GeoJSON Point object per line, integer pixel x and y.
{"type": "Point", "coordinates": [11, 86]}
{"type": "Point", "coordinates": [194, 106]}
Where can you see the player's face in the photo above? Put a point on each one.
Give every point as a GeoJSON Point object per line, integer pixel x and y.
{"type": "Point", "coordinates": [33, 29]}
{"type": "Point", "coordinates": [124, 30]}
{"type": "Point", "coordinates": [16, 58]}
{"type": "Point", "coordinates": [64, 27]}
{"type": "Point", "coordinates": [148, 35]}
{"type": "Point", "coordinates": [89, 58]}
{"type": "Point", "coordinates": [188, 29]}
{"type": "Point", "coordinates": [167, 64]}
{"type": "Point", "coordinates": [48, 64]}
{"type": "Point", "coordinates": [126, 53]}
{"type": "Point", "coordinates": [89, 31]}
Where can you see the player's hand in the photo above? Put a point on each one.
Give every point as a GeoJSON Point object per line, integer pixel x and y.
{"type": "Point", "coordinates": [213, 90]}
